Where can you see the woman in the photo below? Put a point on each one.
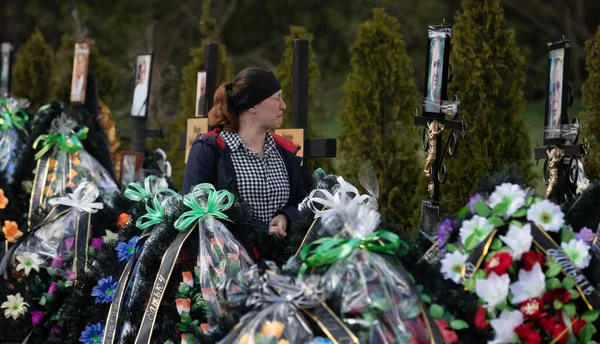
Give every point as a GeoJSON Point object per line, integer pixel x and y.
{"type": "Point", "coordinates": [243, 157]}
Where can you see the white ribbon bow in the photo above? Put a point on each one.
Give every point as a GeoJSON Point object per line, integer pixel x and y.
{"type": "Point", "coordinates": [82, 198]}
{"type": "Point", "coordinates": [322, 202]}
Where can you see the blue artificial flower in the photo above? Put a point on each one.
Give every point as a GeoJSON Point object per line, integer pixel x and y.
{"type": "Point", "coordinates": [105, 290]}
{"type": "Point", "coordinates": [92, 334]}
{"type": "Point", "coordinates": [126, 250]}
{"type": "Point", "coordinates": [319, 340]}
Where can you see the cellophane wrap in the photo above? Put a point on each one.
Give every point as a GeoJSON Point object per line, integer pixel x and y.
{"type": "Point", "coordinates": [273, 303]}
{"type": "Point", "coordinates": [373, 298]}
{"type": "Point", "coordinates": [220, 255]}
{"type": "Point", "coordinates": [13, 120]}
{"type": "Point", "coordinates": [67, 168]}
{"type": "Point", "coordinates": [53, 245]}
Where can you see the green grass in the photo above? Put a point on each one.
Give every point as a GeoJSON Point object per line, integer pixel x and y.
{"type": "Point", "coordinates": [533, 116]}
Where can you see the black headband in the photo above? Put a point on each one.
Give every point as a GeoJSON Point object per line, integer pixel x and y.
{"type": "Point", "coordinates": [260, 86]}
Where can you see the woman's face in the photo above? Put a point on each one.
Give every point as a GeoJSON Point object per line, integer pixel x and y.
{"type": "Point", "coordinates": [269, 112]}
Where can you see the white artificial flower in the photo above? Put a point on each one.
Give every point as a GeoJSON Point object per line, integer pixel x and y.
{"type": "Point", "coordinates": [452, 265]}
{"type": "Point", "coordinates": [504, 327]}
{"type": "Point", "coordinates": [29, 261]}
{"type": "Point", "coordinates": [546, 214]}
{"type": "Point", "coordinates": [518, 240]}
{"type": "Point", "coordinates": [511, 193]}
{"type": "Point", "coordinates": [110, 237]}
{"type": "Point", "coordinates": [578, 251]}
{"type": "Point", "coordinates": [15, 306]}
{"type": "Point", "coordinates": [493, 290]}
{"type": "Point", "coordinates": [478, 225]}
{"type": "Point", "coordinates": [530, 284]}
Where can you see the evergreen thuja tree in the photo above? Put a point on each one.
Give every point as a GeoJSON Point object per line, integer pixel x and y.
{"type": "Point", "coordinates": [591, 103]}
{"type": "Point", "coordinates": [62, 73]}
{"type": "Point", "coordinates": [189, 75]}
{"type": "Point", "coordinates": [376, 117]}
{"type": "Point", "coordinates": [31, 71]}
{"type": "Point", "coordinates": [489, 78]}
{"type": "Point", "coordinates": [283, 71]}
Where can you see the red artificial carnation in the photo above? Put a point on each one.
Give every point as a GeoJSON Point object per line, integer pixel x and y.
{"type": "Point", "coordinates": [446, 330]}
{"type": "Point", "coordinates": [528, 335]}
{"type": "Point", "coordinates": [560, 334]}
{"type": "Point", "coordinates": [578, 324]}
{"type": "Point", "coordinates": [532, 309]}
{"type": "Point", "coordinates": [547, 323]}
{"type": "Point", "coordinates": [530, 258]}
{"type": "Point", "coordinates": [560, 294]}
{"type": "Point", "coordinates": [499, 264]}
{"type": "Point", "coordinates": [481, 321]}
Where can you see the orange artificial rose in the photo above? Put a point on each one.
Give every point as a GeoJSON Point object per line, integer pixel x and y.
{"type": "Point", "coordinates": [52, 163]}
{"type": "Point", "coordinates": [48, 191]}
{"type": "Point", "coordinates": [72, 174]}
{"type": "Point", "coordinates": [123, 220]}
{"type": "Point", "coordinates": [75, 160]}
{"type": "Point", "coordinates": [272, 329]}
{"type": "Point", "coordinates": [11, 231]}
{"type": "Point", "coordinates": [3, 200]}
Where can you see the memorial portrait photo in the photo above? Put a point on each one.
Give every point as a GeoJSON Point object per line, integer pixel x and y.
{"type": "Point", "coordinates": [5, 68]}
{"type": "Point", "coordinates": [434, 76]}
{"type": "Point", "coordinates": [201, 94]}
{"type": "Point", "coordinates": [80, 71]}
{"type": "Point", "coordinates": [139, 106]}
{"type": "Point", "coordinates": [555, 88]}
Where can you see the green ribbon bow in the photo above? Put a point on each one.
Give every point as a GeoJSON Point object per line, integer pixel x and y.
{"type": "Point", "coordinates": [326, 251]}
{"type": "Point", "coordinates": [137, 193]}
{"type": "Point", "coordinates": [215, 203]}
{"type": "Point", "coordinates": [69, 143]}
{"type": "Point", "coordinates": [155, 211]}
{"type": "Point", "coordinates": [10, 119]}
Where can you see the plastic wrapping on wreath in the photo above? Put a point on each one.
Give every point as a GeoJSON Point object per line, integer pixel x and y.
{"type": "Point", "coordinates": [364, 284]}
{"type": "Point", "coordinates": [220, 255]}
{"type": "Point", "coordinates": [275, 304]}
{"type": "Point", "coordinates": [63, 164]}
{"type": "Point", "coordinates": [60, 243]}
{"type": "Point", "coordinates": [13, 122]}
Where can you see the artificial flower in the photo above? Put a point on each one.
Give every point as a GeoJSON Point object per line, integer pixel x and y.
{"type": "Point", "coordinates": [445, 329]}
{"type": "Point", "coordinates": [205, 327]}
{"type": "Point", "coordinates": [546, 214]}
{"type": "Point", "coordinates": [532, 309]}
{"type": "Point", "coordinates": [105, 290]}
{"type": "Point", "coordinates": [183, 305]}
{"type": "Point", "coordinates": [183, 340]}
{"type": "Point", "coordinates": [472, 200]}
{"type": "Point", "coordinates": [547, 323]}
{"type": "Point", "coordinates": [217, 241]}
{"type": "Point", "coordinates": [123, 220]}
{"type": "Point", "coordinates": [530, 258]}
{"type": "Point", "coordinates": [71, 185]}
{"type": "Point", "coordinates": [69, 242]}
{"type": "Point", "coordinates": [508, 193]}
{"type": "Point", "coordinates": [36, 317]}
{"type": "Point", "coordinates": [560, 294]}
{"type": "Point", "coordinates": [53, 288]}
{"type": "Point", "coordinates": [320, 340]}
{"type": "Point", "coordinates": [51, 177]}
{"type": "Point", "coordinates": [444, 231]}
{"type": "Point", "coordinates": [481, 321]}
{"type": "Point", "coordinates": [586, 234]}
{"type": "Point", "coordinates": [110, 237]}
{"type": "Point", "coordinates": [245, 339]}
{"type": "Point", "coordinates": [187, 278]}
{"type": "Point", "coordinates": [71, 275]}
{"type": "Point", "coordinates": [3, 200]}
{"type": "Point", "coordinates": [58, 261]}
{"type": "Point", "coordinates": [452, 265]}
{"type": "Point", "coordinates": [96, 243]}
{"type": "Point", "coordinates": [493, 290]}
{"type": "Point", "coordinates": [577, 325]}
{"type": "Point", "coordinates": [530, 284]}
{"type": "Point", "coordinates": [92, 334]}
{"type": "Point", "coordinates": [478, 225]}
{"type": "Point", "coordinates": [504, 327]}
{"type": "Point", "coordinates": [272, 329]}
{"type": "Point", "coordinates": [75, 160]}
{"type": "Point", "coordinates": [52, 163]}
{"type": "Point", "coordinates": [29, 261]}
{"type": "Point", "coordinates": [283, 341]}
{"type": "Point", "coordinates": [560, 334]}
{"type": "Point", "coordinates": [15, 306]}
{"type": "Point", "coordinates": [11, 231]}
{"type": "Point", "coordinates": [500, 263]}
{"type": "Point", "coordinates": [126, 250]}
{"type": "Point", "coordinates": [527, 335]}
{"type": "Point", "coordinates": [518, 239]}
{"type": "Point", "coordinates": [72, 174]}
{"type": "Point", "coordinates": [578, 251]}
{"type": "Point", "coordinates": [48, 191]}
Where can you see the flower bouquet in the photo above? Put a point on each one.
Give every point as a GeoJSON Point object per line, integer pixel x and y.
{"type": "Point", "coordinates": [365, 284]}
{"type": "Point", "coordinates": [276, 309]}
{"type": "Point", "coordinates": [528, 268]}
{"type": "Point", "coordinates": [62, 164]}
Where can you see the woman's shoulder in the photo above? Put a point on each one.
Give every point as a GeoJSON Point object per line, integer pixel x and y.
{"type": "Point", "coordinates": [285, 143]}
{"type": "Point", "coordinates": [210, 139]}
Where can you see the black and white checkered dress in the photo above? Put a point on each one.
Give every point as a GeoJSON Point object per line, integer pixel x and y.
{"type": "Point", "coordinates": [263, 182]}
